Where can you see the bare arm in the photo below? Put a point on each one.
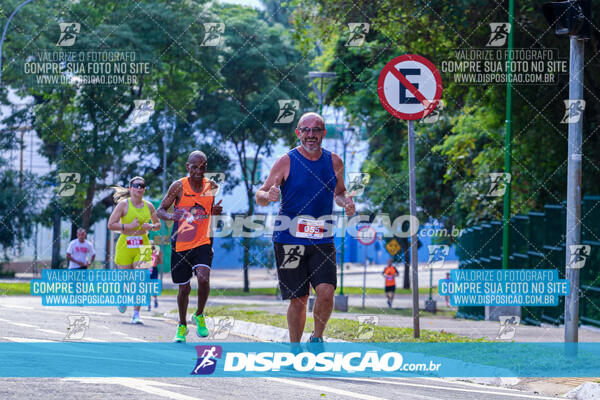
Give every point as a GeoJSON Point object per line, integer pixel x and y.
{"type": "Point", "coordinates": [155, 225]}
{"type": "Point", "coordinates": [172, 196]}
{"type": "Point", "coordinates": [269, 191]}
{"type": "Point", "coordinates": [75, 261]}
{"type": "Point", "coordinates": [341, 194]}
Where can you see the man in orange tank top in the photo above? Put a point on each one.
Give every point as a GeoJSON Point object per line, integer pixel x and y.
{"type": "Point", "coordinates": [191, 243]}
{"type": "Point", "coordinates": [390, 273]}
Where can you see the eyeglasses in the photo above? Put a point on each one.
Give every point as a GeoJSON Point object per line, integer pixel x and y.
{"type": "Point", "coordinates": [139, 185]}
{"type": "Point", "coordinates": [314, 130]}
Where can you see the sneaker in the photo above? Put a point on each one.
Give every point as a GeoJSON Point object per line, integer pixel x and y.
{"type": "Point", "coordinates": [315, 344]}
{"type": "Point", "coordinates": [136, 319]}
{"type": "Point", "coordinates": [201, 329]}
{"type": "Point", "coordinates": [315, 339]}
{"type": "Point", "coordinates": [155, 303]}
{"type": "Point", "coordinates": [149, 308]}
{"type": "Point", "coordinates": [182, 331]}
{"type": "Point", "coordinates": [122, 308]}
{"type": "Point", "coordinates": [389, 304]}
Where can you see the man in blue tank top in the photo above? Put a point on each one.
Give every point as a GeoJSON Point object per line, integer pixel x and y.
{"type": "Point", "coordinates": [309, 179]}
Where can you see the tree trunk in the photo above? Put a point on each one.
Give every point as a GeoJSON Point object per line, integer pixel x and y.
{"type": "Point", "coordinates": [86, 215]}
{"type": "Point", "coordinates": [56, 236]}
{"type": "Point", "coordinates": [74, 228]}
{"type": "Point", "coordinates": [406, 258]}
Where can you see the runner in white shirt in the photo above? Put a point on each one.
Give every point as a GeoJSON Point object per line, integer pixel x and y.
{"type": "Point", "coordinates": [79, 251]}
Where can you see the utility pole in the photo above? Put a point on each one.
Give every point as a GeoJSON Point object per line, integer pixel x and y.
{"type": "Point", "coordinates": [574, 191]}
{"type": "Point", "coordinates": [573, 18]}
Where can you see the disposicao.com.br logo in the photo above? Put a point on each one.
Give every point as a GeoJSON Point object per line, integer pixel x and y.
{"type": "Point", "coordinates": [328, 362]}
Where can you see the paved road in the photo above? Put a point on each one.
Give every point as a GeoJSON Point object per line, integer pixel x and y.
{"type": "Point", "coordinates": [23, 319]}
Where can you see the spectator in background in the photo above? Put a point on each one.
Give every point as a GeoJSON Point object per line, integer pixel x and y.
{"type": "Point", "coordinates": [157, 258]}
{"type": "Point", "coordinates": [80, 252]}
{"type": "Point", "coordinates": [390, 273]}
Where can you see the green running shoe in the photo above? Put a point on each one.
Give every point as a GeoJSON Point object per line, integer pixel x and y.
{"type": "Point", "coordinates": [201, 329]}
{"type": "Point", "coordinates": [182, 330]}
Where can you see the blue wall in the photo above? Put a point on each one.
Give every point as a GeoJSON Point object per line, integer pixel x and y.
{"type": "Point", "coordinates": [354, 251]}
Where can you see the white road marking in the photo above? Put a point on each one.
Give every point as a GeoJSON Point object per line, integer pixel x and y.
{"type": "Point", "coordinates": [18, 323]}
{"type": "Point", "coordinates": [51, 331]}
{"type": "Point", "coordinates": [21, 307]}
{"type": "Point", "coordinates": [138, 384]}
{"type": "Point", "coordinates": [323, 388]}
{"type": "Point", "coordinates": [27, 340]}
{"type": "Point", "coordinates": [528, 396]}
{"type": "Point", "coordinates": [463, 383]}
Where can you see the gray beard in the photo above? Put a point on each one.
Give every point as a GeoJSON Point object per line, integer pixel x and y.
{"type": "Point", "coordinates": [308, 150]}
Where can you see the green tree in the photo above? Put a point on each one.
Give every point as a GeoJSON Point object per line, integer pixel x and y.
{"type": "Point", "coordinates": [259, 66]}
{"type": "Point", "coordinates": [454, 157]}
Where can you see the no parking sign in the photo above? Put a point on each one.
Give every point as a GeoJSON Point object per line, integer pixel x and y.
{"type": "Point", "coordinates": [409, 87]}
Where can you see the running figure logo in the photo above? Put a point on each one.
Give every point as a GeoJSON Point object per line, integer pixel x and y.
{"type": "Point", "coordinates": [68, 33]}
{"type": "Point", "coordinates": [287, 111]}
{"type": "Point", "coordinates": [357, 183]}
{"type": "Point", "coordinates": [142, 111]}
{"type": "Point", "coordinates": [508, 326]}
{"type": "Point", "coordinates": [207, 359]}
{"type": "Point", "coordinates": [218, 178]}
{"type": "Point", "coordinates": [213, 34]}
{"type": "Point", "coordinates": [68, 183]}
{"type": "Point", "coordinates": [222, 325]}
{"type": "Point", "coordinates": [579, 254]}
{"type": "Point", "coordinates": [357, 33]}
{"type": "Point", "coordinates": [498, 185]}
{"type": "Point", "coordinates": [437, 255]}
{"type": "Point", "coordinates": [292, 254]}
{"type": "Point", "coordinates": [433, 116]}
{"type": "Point", "coordinates": [366, 326]}
{"type": "Point", "coordinates": [573, 111]}
{"type": "Point", "coordinates": [77, 326]}
{"type": "Point", "coordinates": [500, 31]}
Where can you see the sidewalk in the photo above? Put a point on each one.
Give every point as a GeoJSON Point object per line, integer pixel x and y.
{"type": "Point", "coordinates": [469, 328]}
{"type": "Point", "coordinates": [353, 276]}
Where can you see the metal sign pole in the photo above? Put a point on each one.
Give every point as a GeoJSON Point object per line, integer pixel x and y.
{"type": "Point", "coordinates": [414, 262]}
{"type": "Point", "coordinates": [364, 284]}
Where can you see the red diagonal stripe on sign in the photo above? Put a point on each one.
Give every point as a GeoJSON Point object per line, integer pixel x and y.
{"type": "Point", "coordinates": [411, 88]}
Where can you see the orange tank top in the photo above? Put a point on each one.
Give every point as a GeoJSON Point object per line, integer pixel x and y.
{"type": "Point", "coordinates": [390, 276]}
{"type": "Point", "coordinates": [194, 229]}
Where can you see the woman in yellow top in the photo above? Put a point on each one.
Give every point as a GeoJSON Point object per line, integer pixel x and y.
{"type": "Point", "coordinates": [131, 218]}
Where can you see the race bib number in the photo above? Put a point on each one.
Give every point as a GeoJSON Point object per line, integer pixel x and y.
{"type": "Point", "coordinates": [310, 228]}
{"type": "Point", "coordinates": [134, 242]}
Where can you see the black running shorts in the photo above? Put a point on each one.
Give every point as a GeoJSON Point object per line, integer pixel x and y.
{"type": "Point", "coordinates": [183, 263]}
{"type": "Point", "coordinates": [298, 266]}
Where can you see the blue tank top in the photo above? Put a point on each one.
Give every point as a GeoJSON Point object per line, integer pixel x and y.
{"type": "Point", "coordinates": [308, 191]}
